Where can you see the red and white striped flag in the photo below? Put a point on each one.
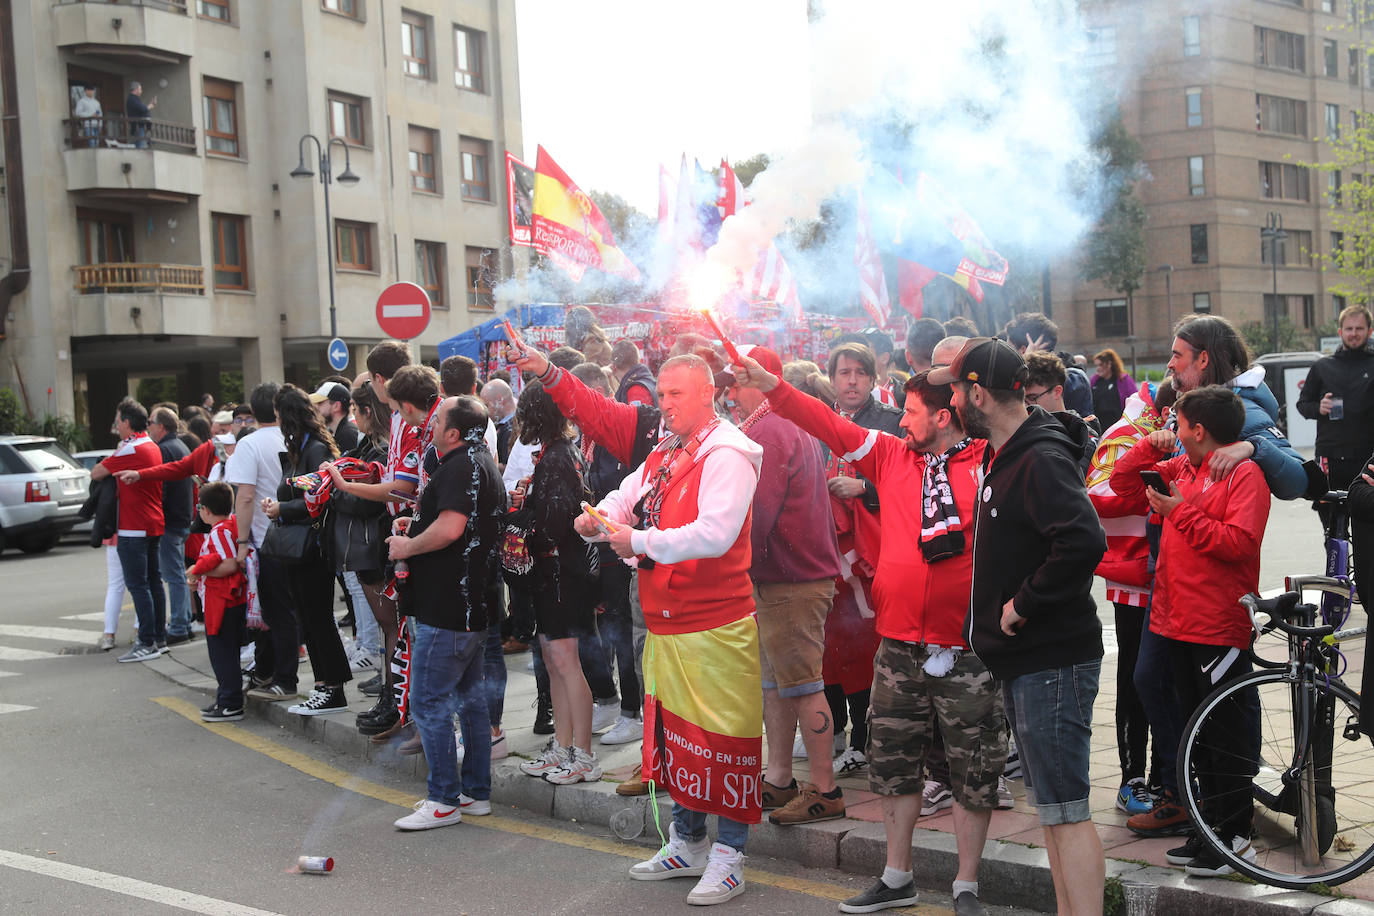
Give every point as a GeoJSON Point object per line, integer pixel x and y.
{"type": "Point", "coordinates": [872, 284]}
{"type": "Point", "coordinates": [771, 279]}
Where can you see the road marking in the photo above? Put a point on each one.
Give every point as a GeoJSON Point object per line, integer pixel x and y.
{"type": "Point", "coordinates": [9, 673]}
{"type": "Point", "coordinates": [98, 615]}
{"type": "Point", "coordinates": [129, 887]}
{"type": "Point", "coordinates": [354, 783]}
{"type": "Point", "coordinates": [53, 634]}
{"type": "Point", "coordinates": [8, 654]}
{"type": "Point", "coordinates": [11, 707]}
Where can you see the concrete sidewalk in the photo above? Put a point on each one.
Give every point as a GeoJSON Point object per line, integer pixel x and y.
{"type": "Point", "coordinates": [1015, 869]}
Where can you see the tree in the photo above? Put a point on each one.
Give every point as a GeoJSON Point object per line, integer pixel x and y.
{"type": "Point", "coordinates": [628, 224]}
{"type": "Point", "coordinates": [1116, 250]}
{"type": "Point", "coordinates": [746, 170]}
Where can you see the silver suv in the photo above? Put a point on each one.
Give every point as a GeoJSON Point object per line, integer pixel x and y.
{"type": "Point", "coordinates": [42, 488]}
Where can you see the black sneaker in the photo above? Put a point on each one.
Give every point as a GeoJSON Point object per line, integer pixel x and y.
{"type": "Point", "coordinates": [543, 717]}
{"type": "Point", "coordinates": [221, 714]}
{"type": "Point", "coordinates": [323, 701]}
{"type": "Point", "coordinates": [176, 639]}
{"type": "Point", "coordinates": [378, 719]}
{"type": "Point", "coordinates": [880, 897]}
{"type": "Point", "coordinates": [968, 904]}
{"type": "Point", "coordinates": [1208, 863]}
{"type": "Point", "coordinates": [1185, 854]}
{"type": "Point", "coordinates": [372, 687]}
{"type": "Point", "coordinates": [253, 682]}
{"type": "Point", "coordinates": [210, 707]}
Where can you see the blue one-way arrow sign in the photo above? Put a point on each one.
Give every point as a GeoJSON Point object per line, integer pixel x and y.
{"type": "Point", "coordinates": [338, 354]}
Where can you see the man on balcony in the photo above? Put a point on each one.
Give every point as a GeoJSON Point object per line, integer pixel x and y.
{"type": "Point", "coordinates": [138, 114]}
{"type": "Point", "coordinates": [89, 114]}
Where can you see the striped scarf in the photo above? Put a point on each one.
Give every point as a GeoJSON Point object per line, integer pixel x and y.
{"type": "Point", "coordinates": [762, 411]}
{"type": "Point", "coordinates": [942, 532]}
{"type": "Point", "coordinates": [319, 487]}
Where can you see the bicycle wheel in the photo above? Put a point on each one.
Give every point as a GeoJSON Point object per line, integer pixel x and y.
{"type": "Point", "coordinates": [1319, 828]}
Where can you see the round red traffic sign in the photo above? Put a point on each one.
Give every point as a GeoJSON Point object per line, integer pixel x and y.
{"type": "Point", "coordinates": [403, 310]}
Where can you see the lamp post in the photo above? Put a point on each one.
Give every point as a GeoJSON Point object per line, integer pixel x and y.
{"type": "Point", "coordinates": [1273, 233]}
{"type": "Point", "coordinates": [347, 177]}
{"type": "Point", "coordinates": [1168, 271]}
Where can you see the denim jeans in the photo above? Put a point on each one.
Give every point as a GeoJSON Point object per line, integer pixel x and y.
{"type": "Point", "coordinates": [446, 677]}
{"type": "Point", "coordinates": [171, 558]}
{"type": "Point", "coordinates": [1051, 714]}
{"type": "Point", "coordinates": [691, 825]}
{"type": "Point", "coordinates": [139, 561]}
{"type": "Point", "coordinates": [368, 632]}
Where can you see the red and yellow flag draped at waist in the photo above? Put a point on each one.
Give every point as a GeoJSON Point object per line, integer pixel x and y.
{"type": "Point", "coordinates": [703, 704]}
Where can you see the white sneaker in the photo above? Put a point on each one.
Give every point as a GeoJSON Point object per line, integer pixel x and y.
{"type": "Point", "coordinates": [364, 662]}
{"type": "Point", "coordinates": [1005, 799]}
{"type": "Point", "coordinates": [604, 715]}
{"type": "Point", "coordinates": [798, 748]}
{"type": "Point", "coordinates": [428, 815]}
{"type": "Point", "coordinates": [458, 741]}
{"type": "Point", "coordinates": [499, 749]}
{"type": "Point", "coordinates": [624, 731]}
{"type": "Point", "coordinates": [678, 859]}
{"type": "Point", "coordinates": [246, 654]}
{"type": "Point", "coordinates": [550, 759]}
{"type": "Point", "coordinates": [936, 796]}
{"type": "Point", "coordinates": [723, 879]}
{"type": "Point", "coordinates": [578, 766]}
{"type": "Point", "coordinates": [850, 761]}
{"type": "Point", "coordinates": [474, 807]}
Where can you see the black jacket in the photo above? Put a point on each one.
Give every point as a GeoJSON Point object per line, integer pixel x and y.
{"type": "Point", "coordinates": [874, 415]}
{"type": "Point", "coordinates": [102, 508]}
{"type": "Point", "coordinates": [346, 436]}
{"type": "Point", "coordinates": [1348, 374]}
{"type": "Point", "coordinates": [638, 374]}
{"type": "Point", "coordinates": [1037, 539]}
{"type": "Point", "coordinates": [291, 502]}
{"type": "Point", "coordinates": [356, 528]}
{"type": "Point", "coordinates": [178, 496]}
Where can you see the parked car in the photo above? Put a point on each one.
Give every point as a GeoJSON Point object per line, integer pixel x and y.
{"type": "Point", "coordinates": [42, 487]}
{"type": "Point", "coordinates": [89, 459]}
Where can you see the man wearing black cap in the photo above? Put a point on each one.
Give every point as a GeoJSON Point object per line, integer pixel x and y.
{"type": "Point", "coordinates": [1032, 619]}
{"type": "Point", "coordinates": [333, 401]}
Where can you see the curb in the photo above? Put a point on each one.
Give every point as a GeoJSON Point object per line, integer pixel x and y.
{"type": "Point", "coordinates": [1010, 874]}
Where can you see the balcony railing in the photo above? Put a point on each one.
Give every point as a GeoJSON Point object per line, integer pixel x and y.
{"type": "Point", "coordinates": [171, 6]}
{"type": "Point", "coordinates": [183, 279]}
{"type": "Point", "coordinates": [118, 131]}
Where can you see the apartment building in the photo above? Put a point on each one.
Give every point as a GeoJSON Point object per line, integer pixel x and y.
{"type": "Point", "coordinates": [182, 244]}
{"type": "Point", "coordinates": [1227, 97]}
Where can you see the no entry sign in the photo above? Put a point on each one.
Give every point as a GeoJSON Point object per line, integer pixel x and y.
{"type": "Point", "coordinates": [403, 310]}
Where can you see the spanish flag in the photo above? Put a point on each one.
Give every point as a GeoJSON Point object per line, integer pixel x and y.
{"type": "Point", "coordinates": [569, 229]}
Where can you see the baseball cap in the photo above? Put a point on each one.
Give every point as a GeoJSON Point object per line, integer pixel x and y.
{"type": "Point", "coordinates": [989, 362]}
{"type": "Point", "coordinates": [223, 416]}
{"type": "Point", "coordinates": [329, 391]}
{"type": "Point", "coordinates": [770, 361]}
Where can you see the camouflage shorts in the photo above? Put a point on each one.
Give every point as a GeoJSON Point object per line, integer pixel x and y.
{"type": "Point", "coordinates": [907, 703]}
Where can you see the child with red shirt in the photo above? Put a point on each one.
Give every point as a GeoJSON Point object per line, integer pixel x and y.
{"type": "Point", "coordinates": [1209, 557]}
{"type": "Point", "coordinates": [223, 595]}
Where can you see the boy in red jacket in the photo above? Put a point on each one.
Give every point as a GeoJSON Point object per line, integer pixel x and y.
{"type": "Point", "coordinates": [1209, 557]}
{"type": "Point", "coordinates": [223, 594]}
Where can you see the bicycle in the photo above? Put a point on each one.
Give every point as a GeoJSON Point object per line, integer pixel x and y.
{"type": "Point", "coordinates": [1287, 734]}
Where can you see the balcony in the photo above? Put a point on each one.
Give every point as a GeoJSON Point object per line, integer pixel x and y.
{"type": "Point", "coordinates": [149, 300]}
{"type": "Point", "coordinates": [144, 31]}
{"type": "Point", "coordinates": [182, 279]}
{"type": "Point", "coordinates": [122, 158]}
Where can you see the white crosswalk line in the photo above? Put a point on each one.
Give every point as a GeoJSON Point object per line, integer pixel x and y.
{"type": "Point", "coordinates": [9, 673]}
{"type": "Point", "coordinates": [11, 654]}
{"type": "Point", "coordinates": [94, 615]}
{"type": "Point", "coordinates": [11, 707]}
{"type": "Point", "coordinates": [54, 634]}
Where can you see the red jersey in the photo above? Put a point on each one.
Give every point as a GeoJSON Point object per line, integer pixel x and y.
{"type": "Point", "coordinates": [402, 456]}
{"type": "Point", "coordinates": [140, 504]}
{"type": "Point", "coordinates": [218, 593]}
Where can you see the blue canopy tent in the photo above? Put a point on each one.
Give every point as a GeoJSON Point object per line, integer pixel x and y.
{"type": "Point", "coordinates": [472, 342]}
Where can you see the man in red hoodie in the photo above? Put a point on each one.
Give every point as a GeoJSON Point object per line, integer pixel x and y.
{"type": "Point", "coordinates": [924, 672]}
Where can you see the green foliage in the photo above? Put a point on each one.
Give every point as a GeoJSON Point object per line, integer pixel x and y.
{"type": "Point", "coordinates": [746, 170]}
{"type": "Point", "coordinates": [151, 391]}
{"type": "Point", "coordinates": [625, 221]}
{"type": "Point", "coordinates": [1259, 337]}
{"type": "Point", "coordinates": [14, 422]}
{"type": "Point", "coordinates": [230, 388]}
{"type": "Point", "coordinates": [1113, 897]}
{"type": "Point", "coordinates": [12, 418]}
{"type": "Point", "coordinates": [1116, 249]}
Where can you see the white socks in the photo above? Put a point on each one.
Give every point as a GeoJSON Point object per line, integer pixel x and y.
{"type": "Point", "coordinates": [895, 879]}
{"type": "Point", "coordinates": [961, 886]}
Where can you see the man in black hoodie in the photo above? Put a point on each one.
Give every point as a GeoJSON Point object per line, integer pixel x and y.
{"type": "Point", "coordinates": [1032, 619]}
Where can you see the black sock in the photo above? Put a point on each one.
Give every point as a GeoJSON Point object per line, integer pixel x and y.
{"type": "Point", "coordinates": [833, 793]}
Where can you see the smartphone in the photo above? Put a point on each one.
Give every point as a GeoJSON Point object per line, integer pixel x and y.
{"type": "Point", "coordinates": [1155, 481]}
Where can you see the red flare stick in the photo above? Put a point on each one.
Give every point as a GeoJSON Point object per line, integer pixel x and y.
{"type": "Point", "coordinates": [730, 350]}
{"type": "Point", "coordinates": [513, 336]}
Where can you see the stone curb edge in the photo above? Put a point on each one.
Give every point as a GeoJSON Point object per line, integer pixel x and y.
{"type": "Point", "coordinates": [1011, 874]}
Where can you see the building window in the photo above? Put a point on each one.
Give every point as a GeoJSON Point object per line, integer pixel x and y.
{"type": "Point", "coordinates": [415, 44]}
{"type": "Point", "coordinates": [1101, 47]}
{"type": "Point", "coordinates": [1328, 6]}
{"type": "Point", "coordinates": [353, 245]}
{"type": "Point", "coordinates": [1282, 50]}
{"type": "Point", "coordinates": [213, 9]}
{"type": "Point", "coordinates": [353, 9]}
{"type": "Point", "coordinates": [231, 250]}
{"type": "Point", "coordinates": [1352, 66]}
{"type": "Point", "coordinates": [1275, 306]}
{"type": "Point", "coordinates": [1293, 251]}
{"type": "Point", "coordinates": [1281, 116]}
{"type": "Point", "coordinates": [1328, 58]}
{"type": "Point", "coordinates": [1309, 311]}
{"type": "Point", "coordinates": [1337, 243]}
{"type": "Point", "coordinates": [429, 271]}
{"type": "Point", "coordinates": [1196, 186]}
{"type": "Point", "coordinates": [1338, 304]}
{"type": "Point", "coordinates": [467, 58]}
{"type": "Point", "coordinates": [1333, 187]}
{"type": "Point", "coordinates": [1202, 302]}
{"type": "Point", "coordinates": [422, 174]}
{"type": "Point", "coordinates": [1197, 237]}
{"type": "Point", "coordinates": [106, 237]}
{"type": "Point", "coordinates": [1110, 318]}
{"type": "Point", "coordinates": [480, 275]}
{"type": "Point", "coordinates": [221, 118]}
{"type": "Point", "coordinates": [1280, 181]}
{"type": "Point", "coordinates": [1333, 121]}
{"type": "Point", "coordinates": [476, 158]}
{"type": "Point", "coordinates": [346, 118]}
{"type": "Point", "coordinates": [1192, 36]}
{"type": "Point", "coordinates": [1192, 97]}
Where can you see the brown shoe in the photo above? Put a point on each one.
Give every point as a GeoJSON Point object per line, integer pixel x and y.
{"type": "Point", "coordinates": [400, 726]}
{"type": "Point", "coordinates": [808, 807]}
{"type": "Point", "coordinates": [514, 646]}
{"type": "Point", "coordinates": [635, 785]}
{"type": "Point", "coordinates": [777, 796]}
{"type": "Point", "coordinates": [411, 746]}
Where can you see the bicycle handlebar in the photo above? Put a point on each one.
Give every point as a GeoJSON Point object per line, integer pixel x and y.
{"type": "Point", "coordinates": [1277, 607]}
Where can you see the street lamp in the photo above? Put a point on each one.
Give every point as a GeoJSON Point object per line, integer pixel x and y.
{"type": "Point", "coordinates": [347, 177]}
{"type": "Point", "coordinates": [1168, 271]}
{"type": "Point", "coordinates": [1273, 233]}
